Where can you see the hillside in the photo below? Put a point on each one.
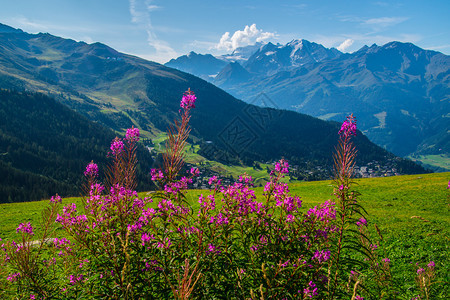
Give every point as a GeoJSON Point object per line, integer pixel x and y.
{"type": "Point", "coordinates": [45, 147]}
{"type": "Point", "coordinates": [119, 90]}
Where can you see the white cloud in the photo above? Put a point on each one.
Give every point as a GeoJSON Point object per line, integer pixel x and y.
{"type": "Point", "coordinates": [345, 45]}
{"type": "Point", "coordinates": [249, 36]}
{"type": "Point", "coordinates": [140, 15]}
{"type": "Point", "coordinates": [152, 7]}
{"type": "Point", "coordinates": [30, 26]}
{"type": "Point", "coordinates": [196, 44]}
{"type": "Point", "coordinates": [385, 21]}
{"type": "Point", "coordinates": [77, 33]}
{"type": "Point", "coordinates": [374, 24]}
{"type": "Point", "coordinates": [35, 26]}
{"type": "Point", "coordinates": [382, 23]}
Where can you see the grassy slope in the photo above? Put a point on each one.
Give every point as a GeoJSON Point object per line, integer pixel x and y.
{"type": "Point", "coordinates": [441, 161]}
{"type": "Point", "coordinates": [413, 213]}
{"type": "Point", "coordinates": [260, 176]}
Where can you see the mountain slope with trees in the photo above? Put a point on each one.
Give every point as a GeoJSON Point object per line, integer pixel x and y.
{"type": "Point", "coordinates": [45, 147]}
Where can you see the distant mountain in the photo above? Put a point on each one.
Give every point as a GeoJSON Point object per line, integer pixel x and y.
{"type": "Point", "coordinates": [120, 90]}
{"type": "Point", "coordinates": [204, 66]}
{"type": "Point", "coordinates": [271, 59]}
{"type": "Point", "coordinates": [231, 74]}
{"type": "Point", "coordinates": [258, 59]}
{"type": "Point", "coordinates": [241, 54]}
{"type": "Point", "coordinates": [207, 66]}
{"type": "Point", "coordinates": [45, 147]}
{"type": "Point", "coordinates": [399, 92]}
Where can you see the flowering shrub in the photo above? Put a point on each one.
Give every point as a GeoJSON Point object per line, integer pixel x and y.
{"type": "Point", "coordinates": [232, 245]}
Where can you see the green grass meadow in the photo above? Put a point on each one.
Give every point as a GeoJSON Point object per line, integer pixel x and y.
{"type": "Point", "coordinates": [412, 211]}
{"type": "Point", "coordinates": [439, 160]}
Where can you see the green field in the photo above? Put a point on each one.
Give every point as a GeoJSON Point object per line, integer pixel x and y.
{"type": "Point", "coordinates": [441, 161]}
{"type": "Point", "coordinates": [390, 202]}
{"type": "Point", "coordinates": [413, 213]}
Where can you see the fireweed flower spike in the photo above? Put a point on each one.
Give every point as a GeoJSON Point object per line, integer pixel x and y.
{"type": "Point", "coordinates": [282, 166]}
{"type": "Point", "coordinates": [91, 170]}
{"type": "Point", "coordinates": [132, 134]}
{"type": "Point", "coordinates": [56, 199]}
{"type": "Point", "coordinates": [361, 222]}
{"type": "Point", "coordinates": [25, 228]}
{"type": "Point", "coordinates": [116, 147]}
{"type": "Point", "coordinates": [348, 128]}
{"type": "Point", "coordinates": [345, 154]}
{"type": "Point", "coordinates": [156, 174]}
{"type": "Point", "coordinates": [346, 205]}
{"type": "Point", "coordinates": [177, 138]}
{"type": "Point", "coordinates": [195, 172]}
{"type": "Point", "coordinates": [188, 100]}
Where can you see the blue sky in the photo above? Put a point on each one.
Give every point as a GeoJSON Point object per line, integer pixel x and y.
{"type": "Point", "coordinates": [160, 30]}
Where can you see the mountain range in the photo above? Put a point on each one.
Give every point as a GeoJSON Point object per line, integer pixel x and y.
{"type": "Point", "coordinates": [117, 91]}
{"type": "Point", "coordinates": [399, 92]}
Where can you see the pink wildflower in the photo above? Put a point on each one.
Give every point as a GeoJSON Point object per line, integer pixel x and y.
{"type": "Point", "coordinates": [188, 100]}
{"type": "Point", "coordinates": [26, 228]}
{"type": "Point", "coordinates": [348, 128]}
{"type": "Point", "coordinates": [56, 199]}
{"type": "Point", "coordinates": [213, 180]}
{"type": "Point", "coordinates": [164, 244]}
{"type": "Point", "coordinates": [311, 290]}
{"type": "Point", "coordinates": [212, 249]}
{"type": "Point", "coordinates": [73, 279]}
{"type": "Point", "coordinates": [116, 146]}
{"type": "Point", "coordinates": [195, 172]}
{"type": "Point", "coordinates": [361, 222]}
{"type": "Point", "coordinates": [156, 174]}
{"type": "Point", "coordinates": [91, 169]}
{"type": "Point", "coordinates": [321, 256]}
{"type": "Point", "coordinates": [145, 238]}
{"type": "Point", "coordinates": [290, 218]}
{"type": "Point", "coordinates": [132, 134]}
{"type": "Point", "coordinates": [13, 277]}
{"type": "Point", "coordinates": [282, 166]}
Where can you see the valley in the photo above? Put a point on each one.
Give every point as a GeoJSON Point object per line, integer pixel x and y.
{"type": "Point", "coordinates": [117, 91]}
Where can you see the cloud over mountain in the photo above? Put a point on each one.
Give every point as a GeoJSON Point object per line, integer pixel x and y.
{"type": "Point", "coordinates": [240, 38]}
{"type": "Point", "coordinates": [345, 44]}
